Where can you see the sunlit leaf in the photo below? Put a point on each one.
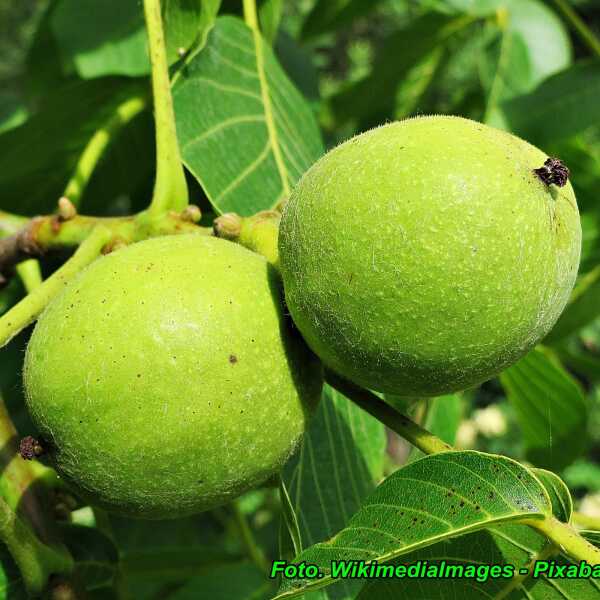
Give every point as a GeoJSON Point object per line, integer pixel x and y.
{"type": "Point", "coordinates": [245, 132]}
{"type": "Point", "coordinates": [435, 498]}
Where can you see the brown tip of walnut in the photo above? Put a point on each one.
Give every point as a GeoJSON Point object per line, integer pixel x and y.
{"type": "Point", "coordinates": [30, 448]}
{"type": "Point", "coordinates": [553, 171]}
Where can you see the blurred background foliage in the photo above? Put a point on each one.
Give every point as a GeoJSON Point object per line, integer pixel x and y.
{"type": "Point", "coordinates": [529, 66]}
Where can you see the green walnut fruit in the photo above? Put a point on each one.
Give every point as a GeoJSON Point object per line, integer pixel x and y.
{"type": "Point", "coordinates": [427, 255]}
{"type": "Point", "coordinates": [165, 379]}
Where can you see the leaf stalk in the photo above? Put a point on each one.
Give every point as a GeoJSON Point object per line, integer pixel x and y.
{"type": "Point", "coordinates": [170, 188]}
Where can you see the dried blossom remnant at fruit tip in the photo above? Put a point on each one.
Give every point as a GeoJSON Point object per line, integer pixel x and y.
{"type": "Point", "coordinates": [30, 448]}
{"type": "Point", "coordinates": [553, 171]}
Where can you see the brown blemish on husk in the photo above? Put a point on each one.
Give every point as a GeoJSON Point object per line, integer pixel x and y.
{"type": "Point", "coordinates": [30, 448]}
{"type": "Point", "coordinates": [553, 171]}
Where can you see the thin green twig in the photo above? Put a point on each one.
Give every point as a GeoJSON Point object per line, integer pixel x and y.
{"type": "Point", "coordinates": [99, 142]}
{"type": "Point", "coordinates": [252, 548]}
{"type": "Point", "coordinates": [28, 309]}
{"type": "Point", "coordinates": [401, 424]}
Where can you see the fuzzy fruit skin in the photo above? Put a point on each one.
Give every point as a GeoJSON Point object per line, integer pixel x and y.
{"type": "Point", "coordinates": [425, 256]}
{"type": "Point", "coordinates": [166, 380]}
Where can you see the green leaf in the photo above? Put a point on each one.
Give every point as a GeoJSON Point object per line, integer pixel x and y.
{"type": "Point", "coordinates": [444, 416]}
{"type": "Point", "coordinates": [592, 536]}
{"type": "Point", "coordinates": [546, 38]}
{"type": "Point", "coordinates": [415, 84]}
{"type": "Point", "coordinates": [290, 540]}
{"type": "Point", "coordinates": [339, 463]}
{"type": "Point", "coordinates": [297, 62]}
{"type": "Point", "coordinates": [102, 38]}
{"type": "Point", "coordinates": [561, 106]}
{"type": "Point", "coordinates": [170, 550]}
{"type": "Point", "coordinates": [45, 149]}
{"type": "Point", "coordinates": [109, 37]}
{"type": "Point", "coordinates": [533, 45]}
{"type": "Point", "coordinates": [550, 408]}
{"type": "Point", "coordinates": [583, 474]}
{"type": "Point", "coordinates": [269, 14]}
{"type": "Point", "coordinates": [560, 497]}
{"type": "Point", "coordinates": [13, 111]}
{"type": "Point", "coordinates": [398, 55]}
{"type": "Point", "coordinates": [327, 15]}
{"type": "Point", "coordinates": [435, 498]}
{"type": "Point", "coordinates": [245, 132]}
{"type": "Point", "coordinates": [95, 556]}
{"type": "Point", "coordinates": [508, 545]}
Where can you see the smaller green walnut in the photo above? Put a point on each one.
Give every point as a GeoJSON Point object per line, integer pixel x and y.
{"type": "Point", "coordinates": [165, 379]}
{"type": "Point", "coordinates": [427, 255]}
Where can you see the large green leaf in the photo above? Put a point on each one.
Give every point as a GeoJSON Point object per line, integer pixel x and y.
{"type": "Point", "coordinates": [559, 107]}
{"type": "Point", "coordinates": [246, 133]}
{"type": "Point", "coordinates": [109, 37]}
{"type": "Point", "coordinates": [508, 545]}
{"type": "Point", "coordinates": [533, 44]}
{"type": "Point", "coordinates": [339, 463]}
{"type": "Point", "coordinates": [432, 499]}
{"type": "Point", "coordinates": [551, 410]}
{"type": "Point", "coordinates": [45, 149]}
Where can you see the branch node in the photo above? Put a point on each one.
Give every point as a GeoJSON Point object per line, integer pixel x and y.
{"type": "Point", "coordinates": [228, 226]}
{"type": "Point", "coordinates": [191, 214]}
{"type": "Point", "coordinates": [66, 209]}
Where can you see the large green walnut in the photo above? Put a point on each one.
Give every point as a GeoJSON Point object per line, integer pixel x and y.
{"type": "Point", "coordinates": [426, 255]}
{"type": "Point", "coordinates": [165, 379]}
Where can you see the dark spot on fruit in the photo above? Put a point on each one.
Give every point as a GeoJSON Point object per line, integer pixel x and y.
{"type": "Point", "coordinates": [30, 448]}
{"type": "Point", "coordinates": [233, 359]}
{"type": "Point", "coordinates": [139, 375]}
{"type": "Point", "coordinates": [553, 171]}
